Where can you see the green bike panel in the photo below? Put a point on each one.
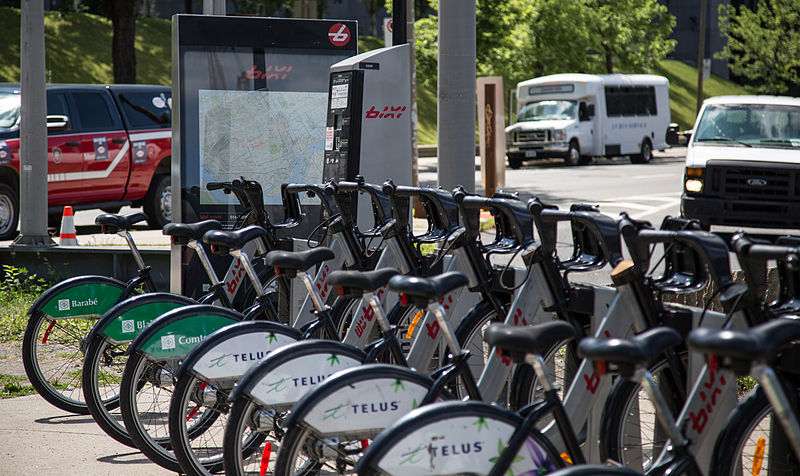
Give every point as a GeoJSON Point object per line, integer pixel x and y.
{"type": "Point", "coordinates": [178, 338]}
{"type": "Point", "coordinates": [86, 300]}
{"type": "Point", "coordinates": [129, 324]}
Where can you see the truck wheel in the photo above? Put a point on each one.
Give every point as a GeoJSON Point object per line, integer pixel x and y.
{"type": "Point", "coordinates": [158, 202]}
{"type": "Point", "coordinates": [573, 156]}
{"type": "Point", "coordinates": [9, 212]}
{"type": "Point", "coordinates": [514, 161]}
{"type": "Point", "coordinates": [645, 154]}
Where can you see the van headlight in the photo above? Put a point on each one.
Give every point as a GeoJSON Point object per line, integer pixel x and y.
{"type": "Point", "coordinates": [559, 135]}
{"type": "Point", "coordinates": [693, 180]}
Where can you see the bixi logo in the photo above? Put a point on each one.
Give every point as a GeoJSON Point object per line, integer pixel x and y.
{"type": "Point", "coordinates": [167, 342]}
{"type": "Point", "coordinates": [63, 304]}
{"type": "Point", "coordinates": [128, 326]}
{"type": "Point", "coordinates": [339, 34]}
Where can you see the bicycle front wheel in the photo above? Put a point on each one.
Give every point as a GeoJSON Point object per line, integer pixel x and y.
{"type": "Point", "coordinates": [52, 353]}
{"type": "Point", "coordinates": [249, 444]}
{"type": "Point", "coordinates": [102, 375]}
{"type": "Point", "coordinates": [145, 393]}
{"type": "Point", "coordinates": [753, 442]}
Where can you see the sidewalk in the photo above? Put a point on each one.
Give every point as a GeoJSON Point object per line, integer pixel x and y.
{"type": "Point", "coordinates": [38, 438]}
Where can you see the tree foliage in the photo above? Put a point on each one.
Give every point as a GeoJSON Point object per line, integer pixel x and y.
{"type": "Point", "coordinates": [520, 39]}
{"type": "Point", "coordinates": [764, 45]}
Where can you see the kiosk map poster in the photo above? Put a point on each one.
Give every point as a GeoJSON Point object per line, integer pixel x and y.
{"type": "Point", "coordinates": [270, 137]}
{"type": "Point", "coordinates": [252, 102]}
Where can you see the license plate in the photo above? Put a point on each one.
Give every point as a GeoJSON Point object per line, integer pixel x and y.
{"type": "Point", "coordinates": [530, 154]}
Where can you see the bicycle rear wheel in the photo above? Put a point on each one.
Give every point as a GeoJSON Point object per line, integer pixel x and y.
{"type": "Point", "coordinates": [753, 441]}
{"type": "Point", "coordinates": [250, 443]}
{"type": "Point", "coordinates": [102, 375]}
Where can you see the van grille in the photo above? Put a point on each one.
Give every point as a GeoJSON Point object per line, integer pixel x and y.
{"type": "Point", "coordinates": [532, 136]}
{"type": "Point", "coordinates": [753, 181]}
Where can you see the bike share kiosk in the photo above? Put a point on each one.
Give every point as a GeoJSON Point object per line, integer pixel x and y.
{"type": "Point", "coordinates": [250, 98]}
{"type": "Point", "coordinates": [368, 129]}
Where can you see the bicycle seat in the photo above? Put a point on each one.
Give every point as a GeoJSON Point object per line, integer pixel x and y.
{"type": "Point", "coordinates": [289, 263]}
{"type": "Point", "coordinates": [516, 342]}
{"type": "Point", "coordinates": [112, 223]}
{"type": "Point", "coordinates": [423, 291]}
{"type": "Point", "coordinates": [222, 242]}
{"type": "Point", "coordinates": [181, 233]}
{"type": "Point", "coordinates": [627, 353]}
{"type": "Point", "coordinates": [757, 343]}
{"type": "Point", "coordinates": [356, 283]}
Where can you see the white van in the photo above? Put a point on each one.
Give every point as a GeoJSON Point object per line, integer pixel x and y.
{"type": "Point", "coordinates": [743, 163]}
{"type": "Point", "coordinates": [579, 116]}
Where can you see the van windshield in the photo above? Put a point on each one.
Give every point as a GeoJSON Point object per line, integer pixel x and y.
{"type": "Point", "coordinates": [750, 124]}
{"type": "Point", "coordinates": [549, 110]}
{"type": "Point", "coordinates": [9, 110]}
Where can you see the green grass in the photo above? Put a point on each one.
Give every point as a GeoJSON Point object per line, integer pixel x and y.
{"type": "Point", "coordinates": [79, 51]}
{"type": "Point", "coordinates": [13, 386]}
{"type": "Point", "coordinates": [683, 90]}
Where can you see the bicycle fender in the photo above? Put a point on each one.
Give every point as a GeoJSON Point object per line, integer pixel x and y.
{"type": "Point", "coordinates": [289, 372]}
{"type": "Point", "coordinates": [452, 438]}
{"type": "Point", "coordinates": [364, 399]}
{"type": "Point", "coordinates": [173, 334]}
{"type": "Point", "coordinates": [81, 296]}
{"type": "Point", "coordinates": [230, 351]}
{"type": "Point", "coordinates": [128, 318]}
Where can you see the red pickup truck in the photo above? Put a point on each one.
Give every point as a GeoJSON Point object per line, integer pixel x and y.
{"type": "Point", "coordinates": [107, 146]}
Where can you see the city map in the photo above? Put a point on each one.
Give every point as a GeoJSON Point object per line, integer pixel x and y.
{"type": "Point", "coordinates": [272, 137]}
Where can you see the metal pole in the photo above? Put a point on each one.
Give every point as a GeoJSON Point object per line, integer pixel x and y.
{"type": "Point", "coordinates": [456, 94]}
{"type": "Point", "coordinates": [213, 7]}
{"type": "Point", "coordinates": [33, 129]}
{"type": "Point", "coordinates": [399, 35]}
{"type": "Point", "coordinates": [701, 52]}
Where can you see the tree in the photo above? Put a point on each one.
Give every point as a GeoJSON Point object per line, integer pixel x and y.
{"type": "Point", "coordinates": [123, 26]}
{"type": "Point", "coordinates": [631, 35]}
{"type": "Point", "coordinates": [372, 7]}
{"type": "Point", "coordinates": [764, 46]}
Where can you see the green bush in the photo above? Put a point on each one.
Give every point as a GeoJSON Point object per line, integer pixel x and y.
{"type": "Point", "coordinates": [18, 290]}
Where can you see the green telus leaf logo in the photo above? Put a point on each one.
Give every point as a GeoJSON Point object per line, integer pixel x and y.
{"type": "Point", "coordinates": [272, 338]}
{"type": "Point", "coordinates": [481, 423]}
{"type": "Point", "coordinates": [412, 457]}
{"type": "Point", "coordinates": [398, 385]}
{"type": "Point", "coordinates": [500, 448]}
{"type": "Point", "coordinates": [333, 359]}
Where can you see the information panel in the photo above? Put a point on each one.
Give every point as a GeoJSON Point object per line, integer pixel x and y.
{"type": "Point", "coordinates": [250, 101]}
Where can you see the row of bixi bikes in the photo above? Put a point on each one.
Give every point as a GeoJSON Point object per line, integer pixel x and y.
{"type": "Point", "coordinates": [451, 351]}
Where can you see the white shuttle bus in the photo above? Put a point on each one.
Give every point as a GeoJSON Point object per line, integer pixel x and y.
{"type": "Point", "coordinates": [580, 116]}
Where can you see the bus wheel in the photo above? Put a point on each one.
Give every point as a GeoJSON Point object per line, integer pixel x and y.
{"type": "Point", "coordinates": [645, 154]}
{"type": "Point", "coordinates": [573, 156]}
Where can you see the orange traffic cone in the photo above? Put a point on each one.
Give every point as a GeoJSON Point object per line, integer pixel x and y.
{"type": "Point", "coordinates": [68, 233]}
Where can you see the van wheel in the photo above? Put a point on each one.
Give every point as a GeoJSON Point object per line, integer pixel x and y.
{"type": "Point", "coordinates": [573, 156]}
{"type": "Point", "coordinates": [515, 161]}
{"type": "Point", "coordinates": [645, 154]}
{"type": "Point", "coordinates": [9, 212]}
{"type": "Point", "coordinates": [158, 202]}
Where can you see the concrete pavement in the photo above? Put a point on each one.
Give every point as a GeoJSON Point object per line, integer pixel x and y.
{"type": "Point", "coordinates": [37, 438]}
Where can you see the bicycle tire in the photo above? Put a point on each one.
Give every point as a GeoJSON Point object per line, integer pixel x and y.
{"type": "Point", "coordinates": [463, 418]}
{"type": "Point", "coordinates": [144, 401]}
{"type": "Point", "coordinates": [469, 334]}
{"type": "Point", "coordinates": [201, 455]}
{"type": "Point", "coordinates": [294, 443]}
{"type": "Point", "coordinates": [618, 430]}
{"type": "Point", "coordinates": [737, 448]}
{"type": "Point", "coordinates": [53, 344]}
{"type": "Point", "coordinates": [237, 458]}
{"type": "Point", "coordinates": [105, 361]}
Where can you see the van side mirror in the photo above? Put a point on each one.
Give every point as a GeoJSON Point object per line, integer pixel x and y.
{"type": "Point", "coordinates": [677, 138]}
{"type": "Point", "coordinates": [56, 123]}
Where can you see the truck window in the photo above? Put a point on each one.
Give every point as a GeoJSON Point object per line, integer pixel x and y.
{"type": "Point", "coordinates": [93, 111]}
{"type": "Point", "coordinates": [57, 105]}
{"type": "Point", "coordinates": [9, 110]}
{"type": "Point", "coordinates": [631, 101]}
{"type": "Point", "coordinates": [548, 110]}
{"type": "Point", "coordinates": [146, 110]}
